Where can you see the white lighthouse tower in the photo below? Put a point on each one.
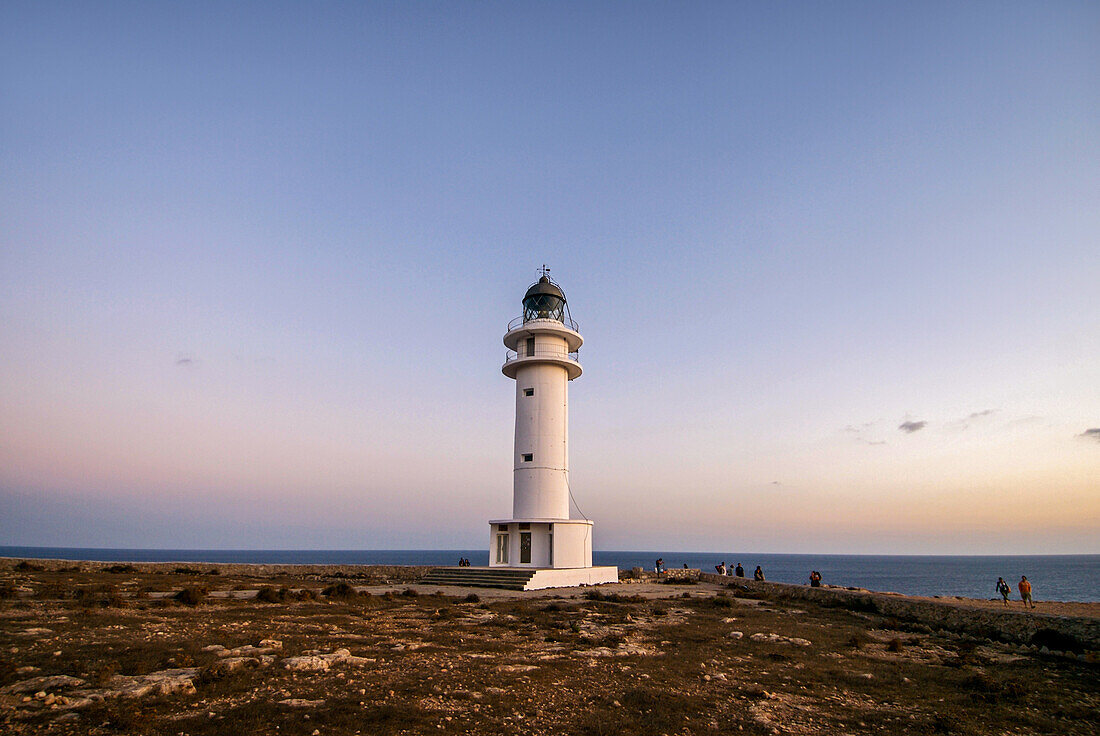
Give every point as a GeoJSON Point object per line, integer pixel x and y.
{"type": "Point", "coordinates": [542, 358]}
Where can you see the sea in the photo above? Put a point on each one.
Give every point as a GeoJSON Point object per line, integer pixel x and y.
{"type": "Point", "coordinates": [1053, 577]}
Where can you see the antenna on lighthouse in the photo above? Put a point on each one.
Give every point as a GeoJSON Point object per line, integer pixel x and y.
{"type": "Point", "coordinates": [545, 270]}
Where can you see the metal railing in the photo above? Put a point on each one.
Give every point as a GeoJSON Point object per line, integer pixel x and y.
{"type": "Point", "coordinates": [567, 321]}
{"type": "Point", "coordinates": [511, 355]}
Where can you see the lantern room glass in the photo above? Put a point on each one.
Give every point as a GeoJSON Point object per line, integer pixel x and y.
{"type": "Point", "coordinates": [543, 306]}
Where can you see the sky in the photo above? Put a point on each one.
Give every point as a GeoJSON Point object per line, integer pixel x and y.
{"type": "Point", "coordinates": [836, 266]}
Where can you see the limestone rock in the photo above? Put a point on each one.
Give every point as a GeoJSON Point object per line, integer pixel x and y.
{"type": "Point", "coordinates": [322, 662]}
{"type": "Point", "coordinates": [780, 639]}
{"type": "Point", "coordinates": [36, 684]}
{"type": "Point", "coordinates": [164, 682]}
{"type": "Point", "coordinates": [301, 703]}
{"type": "Point", "coordinates": [229, 665]}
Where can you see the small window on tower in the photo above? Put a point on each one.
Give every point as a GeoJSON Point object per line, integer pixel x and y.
{"type": "Point", "coordinates": [528, 392]}
{"type": "Point", "coordinates": [528, 457]}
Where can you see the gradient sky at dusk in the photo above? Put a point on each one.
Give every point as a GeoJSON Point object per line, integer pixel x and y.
{"type": "Point", "coordinates": [837, 266]}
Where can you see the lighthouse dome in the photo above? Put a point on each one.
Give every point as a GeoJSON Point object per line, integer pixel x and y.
{"type": "Point", "coordinates": [544, 300]}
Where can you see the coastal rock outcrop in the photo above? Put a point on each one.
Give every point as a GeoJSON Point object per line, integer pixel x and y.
{"type": "Point", "coordinates": [322, 662]}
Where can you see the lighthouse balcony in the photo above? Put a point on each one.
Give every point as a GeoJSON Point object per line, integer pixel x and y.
{"type": "Point", "coordinates": [520, 330]}
{"type": "Point", "coordinates": [563, 320]}
{"type": "Point", "coordinates": [514, 360]}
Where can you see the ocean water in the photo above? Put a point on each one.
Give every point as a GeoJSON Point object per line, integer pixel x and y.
{"type": "Point", "coordinates": [1053, 577]}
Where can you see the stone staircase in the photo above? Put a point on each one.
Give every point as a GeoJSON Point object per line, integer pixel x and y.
{"type": "Point", "coordinates": [509, 578]}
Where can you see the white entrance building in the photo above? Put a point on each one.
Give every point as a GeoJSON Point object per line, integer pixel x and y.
{"type": "Point", "coordinates": [542, 358]}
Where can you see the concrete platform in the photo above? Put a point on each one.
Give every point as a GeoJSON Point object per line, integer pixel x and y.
{"type": "Point", "coordinates": [571, 577]}
{"type": "Point", "coordinates": [521, 578]}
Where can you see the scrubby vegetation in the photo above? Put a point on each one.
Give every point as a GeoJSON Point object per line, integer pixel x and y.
{"type": "Point", "coordinates": [597, 661]}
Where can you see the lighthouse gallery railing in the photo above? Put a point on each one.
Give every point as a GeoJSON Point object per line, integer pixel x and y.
{"type": "Point", "coordinates": [511, 355]}
{"type": "Point", "coordinates": [518, 321]}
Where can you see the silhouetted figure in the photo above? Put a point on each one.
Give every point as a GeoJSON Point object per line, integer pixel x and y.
{"type": "Point", "coordinates": [739, 571]}
{"type": "Point", "coordinates": [1003, 589]}
{"type": "Point", "coordinates": [815, 579]}
{"type": "Point", "coordinates": [758, 574]}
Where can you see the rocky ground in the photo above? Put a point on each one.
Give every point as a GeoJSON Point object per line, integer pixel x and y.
{"type": "Point", "coordinates": [181, 651]}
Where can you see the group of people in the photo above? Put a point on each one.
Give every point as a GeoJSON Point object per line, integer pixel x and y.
{"type": "Point", "coordinates": [738, 571]}
{"type": "Point", "coordinates": [1023, 586]}
{"type": "Point", "coordinates": [463, 562]}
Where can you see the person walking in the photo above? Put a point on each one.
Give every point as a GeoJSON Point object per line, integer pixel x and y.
{"type": "Point", "coordinates": [1025, 591]}
{"type": "Point", "coordinates": [1003, 589]}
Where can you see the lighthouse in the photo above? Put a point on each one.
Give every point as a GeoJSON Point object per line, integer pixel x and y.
{"type": "Point", "coordinates": [542, 358]}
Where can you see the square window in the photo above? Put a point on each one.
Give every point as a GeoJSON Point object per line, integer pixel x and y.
{"type": "Point", "coordinates": [528, 392]}
{"type": "Point", "coordinates": [528, 457]}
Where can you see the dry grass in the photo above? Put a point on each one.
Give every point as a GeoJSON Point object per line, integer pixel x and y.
{"type": "Point", "coordinates": [593, 664]}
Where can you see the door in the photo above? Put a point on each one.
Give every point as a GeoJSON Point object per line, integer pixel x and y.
{"type": "Point", "coordinates": [525, 548]}
{"type": "Point", "coordinates": [502, 549]}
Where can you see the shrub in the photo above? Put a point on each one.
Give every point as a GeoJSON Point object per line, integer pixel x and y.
{"type": "Point", "coordinates": [268, 594]}
{"type": "Point", "coordinates": [192, 595]}
{"type": "Point", "coordinates": [341, 590]}
{"type": "Point", "coordinates": [105, 596]}
{"type": "Point", "coordinates": [7, 590]}
{"type": "Point", "coordinates": [721, 602]}
{"type": "Point", "coordinates": [25, 566]}
{"type": "Point", "coordinates": [894, 645]}
{"type": "Point", "coordinates": [120, 568]}
{"type": "Point", "coordinates": [409, 593]}
{"type": "Point", "coordinates": [472, 598]}
{"type": "Point", "coordinates": [186, 571]}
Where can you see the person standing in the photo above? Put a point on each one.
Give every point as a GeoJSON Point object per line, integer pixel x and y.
{"type": "Point", "coordinates": [721, 568]}
{"type": "Point", "coordinates": [815, 579]}
{"type": "Point", "coordinates": [1003, 589]}
{"type": "Point", "coordinates": [739, 571]}
{"type": "Point", "coordinates": [1025, 591]}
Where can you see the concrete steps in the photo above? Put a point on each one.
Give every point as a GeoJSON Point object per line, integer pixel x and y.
{"type": "Point", "coordinates": [480, 577]}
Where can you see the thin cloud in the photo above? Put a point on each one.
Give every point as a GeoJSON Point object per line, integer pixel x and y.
{"type": "Point", "coordinates": [1091, 434]}
{"type": "Point", "coordinates": [859, 432]}
{"type": "Point", "coordinates": [186, 361]}
{"type": "Point", "coordinates": [911, 427]}
{"type": "Point", "coordinates": [960, 425]}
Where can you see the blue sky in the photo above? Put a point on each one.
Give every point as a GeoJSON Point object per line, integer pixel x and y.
{"type": "Point", "coordinates": [256, 261]}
